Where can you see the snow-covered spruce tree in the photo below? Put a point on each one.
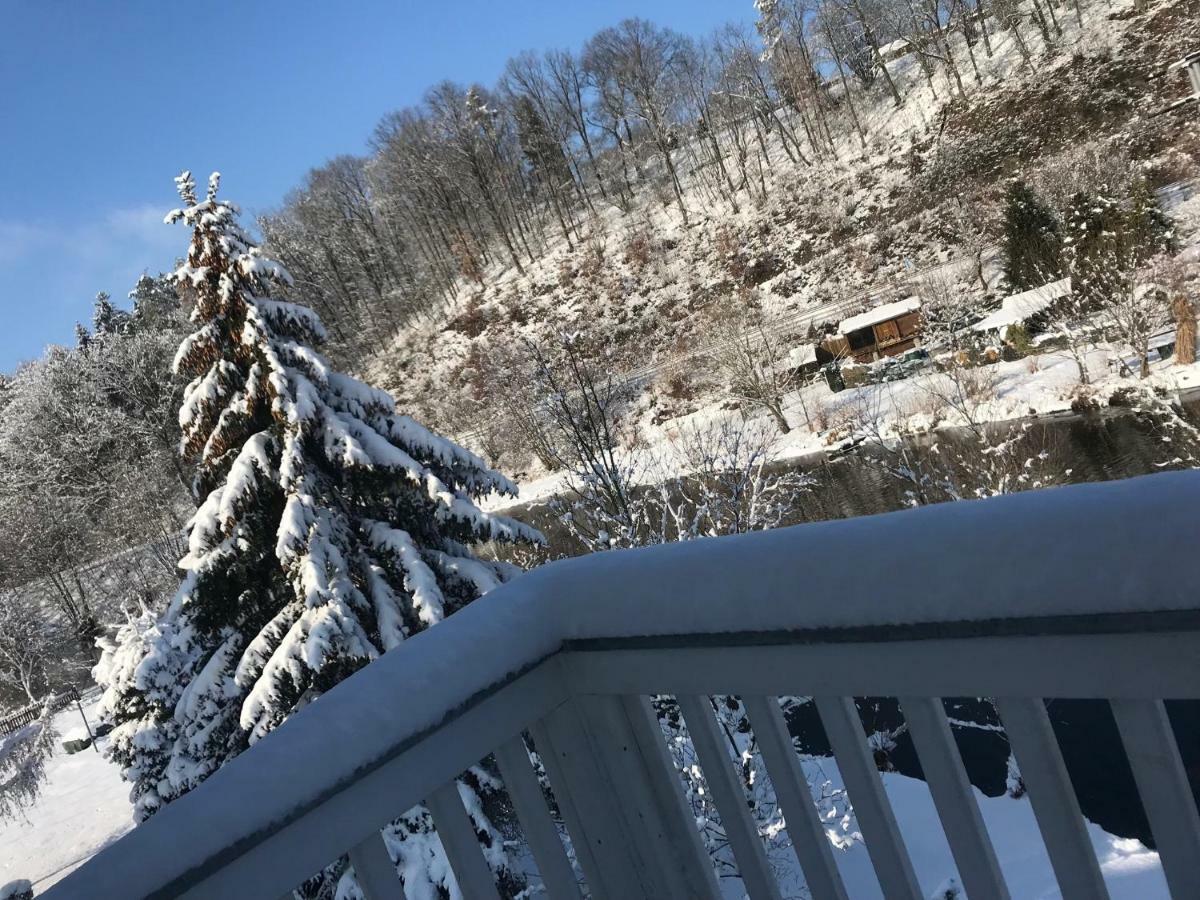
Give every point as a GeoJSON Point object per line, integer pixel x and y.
{"type": "Point", "coordinates": [329, 529]}
{"type": "Point", "coordinates": [106, 318]}
{"type": "Point", "coordinates": [1032, 245]}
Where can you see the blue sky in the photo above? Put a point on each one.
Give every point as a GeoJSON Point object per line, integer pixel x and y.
{"type": "Point", "coordinates": [103, 103]}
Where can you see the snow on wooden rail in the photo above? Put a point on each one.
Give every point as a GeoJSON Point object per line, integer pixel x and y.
{"type": "Point", "coordinates": [1090, 559]}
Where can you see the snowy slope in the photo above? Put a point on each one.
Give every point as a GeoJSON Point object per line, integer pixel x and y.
{"type": "Point", "coordinates": [832, 240]}
{"type": "Point", "coordinates": [83, 807]}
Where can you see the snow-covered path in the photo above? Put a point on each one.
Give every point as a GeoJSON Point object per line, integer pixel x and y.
{"type": "Point", "coordinates": [83, 807]}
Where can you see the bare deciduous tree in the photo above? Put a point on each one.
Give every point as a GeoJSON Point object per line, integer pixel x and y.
{"type": "Point", "coordinates": [27, 643]}
{"type": "Point", "coordinates": [752, 363]}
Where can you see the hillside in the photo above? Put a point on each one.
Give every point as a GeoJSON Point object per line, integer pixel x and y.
{"type": "Point", "coordinates": [919, 205]}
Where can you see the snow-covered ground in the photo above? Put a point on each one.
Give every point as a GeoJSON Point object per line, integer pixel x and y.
{"type": "Point", "coordinates": [84, 806]}
{"type": "Point", "coordinates": [1037, 385]}
{"type": "Point", "coordinates": [1130, 870]}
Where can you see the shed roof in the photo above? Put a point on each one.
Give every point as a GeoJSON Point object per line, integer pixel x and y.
{"type": "Point", "coordinates": [1019, 307]}
{"type": "Point", "coordinates": [797, 358]}
{"type": "Point", "coordinates": [802, 355]}
{"type": "Point", "coordinates": [879, 314]}
{"type": "Point", "coordinates": [895, 47]}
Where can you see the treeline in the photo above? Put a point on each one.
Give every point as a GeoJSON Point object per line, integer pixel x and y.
{"type": "Point", "coordinates": [477, 177]}
{"type": "Point", "coordinates": [89, 467]}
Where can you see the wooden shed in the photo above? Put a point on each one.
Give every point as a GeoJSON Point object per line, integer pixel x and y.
{"type": "Point", "coordinates": [887, 330]}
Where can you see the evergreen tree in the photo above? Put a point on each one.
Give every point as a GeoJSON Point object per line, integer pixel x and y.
{"type": "Point", "coordinates": [329, 529]}
{"type": "Point", "coordinates": [154, 301]}
{"type": "Point", "coordinates": [1093, 231]}
{"type": "Point", "coordinates": [544, 154]}
{"type": "Point", "coordinates": [1031, 239]}
{"type": "Point", "coordinates": [83, 337]}
{"type": "Point", "coordinates": [106, 318]}
{"type": "Point", "coordinates": [1148, 230]}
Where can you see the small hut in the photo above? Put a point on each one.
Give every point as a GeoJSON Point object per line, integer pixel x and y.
{"type": "Point", "coordinates": [897, 49]}
{"type": "Point", "coordinates": [800, 363]}
{"type": "Point", "coordinates": [887, 330]}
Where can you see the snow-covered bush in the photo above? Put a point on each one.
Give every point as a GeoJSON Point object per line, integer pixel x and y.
{"type": "Point", "coordinates": [23, 756]}
{"type": "Point", "coordinates": [21, 889]}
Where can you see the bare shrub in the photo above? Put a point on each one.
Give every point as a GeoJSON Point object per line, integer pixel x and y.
{"type": "Point", "coordinates": [752, 363]}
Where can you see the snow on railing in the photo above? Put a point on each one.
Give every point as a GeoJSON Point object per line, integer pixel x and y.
{"type": "Point", "coordinates": [1086, 591]}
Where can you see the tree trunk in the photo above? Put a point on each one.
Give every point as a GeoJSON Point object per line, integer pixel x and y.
{"type": "Point", "coordinates": [775, 407]}
{"type": "Point", "coordinates": [1185, 330]}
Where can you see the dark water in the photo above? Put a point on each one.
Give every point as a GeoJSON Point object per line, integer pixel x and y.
{"type": "Point", "coordinates": [1101, 446]}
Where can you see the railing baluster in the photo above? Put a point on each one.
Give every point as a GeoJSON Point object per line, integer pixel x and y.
{"type": "Point", "coordinates": [457, 833]}
{"type": "Point", "coordinates": [952, 795]}
{"type": "Point", "coordinates": [530, 804]}
{"type": "Point", "coordinates": [728, 797]}
{"type": "Point", "coordinates": [615, 867]}
{"type": "Point", "coordinates": [654, 831]}
{"type": "Point", "coordinates": [616, 754]}
{"type": "Point", "coordinates": [374, 869]}
{"type": "Point", "coordinates": [871, 807]}
{"type": "Point", "coordinates": [809, 840]}
{"type": "Point", "coordinates": [1052, 796]}
{"type": "Point", "coordinates": [1166, 794]}
{"type": "Point", "coordinates": [556, 770]}
{"type": "Point", "coordinates": [689, 856]}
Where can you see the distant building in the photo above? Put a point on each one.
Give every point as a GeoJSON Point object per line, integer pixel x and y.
{"type": "Point", "coordinates": [1190, 66]}
{"type": "Point", "coordinates": [895, 50]}
{"type": "Point", "coordinates": [800, 362]}
{"type": "Point", "coordinates": [1026, 308]}
{"type": "Point", "coordinates": [887, 330]}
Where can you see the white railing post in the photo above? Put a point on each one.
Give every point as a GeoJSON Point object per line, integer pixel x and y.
{"type": "Point", "coordinates": [1052, 797]}
{"type": "Point", "coordinates": [662, 839]}
{"type": "Point", "coordinates": [693, 866]}
{"type": "Point", "coordinates": [729, 798]}
{"type": "Point", "coordinates": [555, 768]}
{"type": "Point", "coordinates": [614, 865]}
{"type": "Point", "coordinates": [538, 827]}
{"type": "Point", "coordinates": [457, 834]}
{"type": "Point", "coordinates": [885, 846]}
{"type": "Point", "coordinates": [374, 870]}
{"type": "Point", "coordinates": [1166, 793]}
{"type": "Point", "coordinates": [953, 797]}
{"type": "Point", "coordinates": [804, 827]}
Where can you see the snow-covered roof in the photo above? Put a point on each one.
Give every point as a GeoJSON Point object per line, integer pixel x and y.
{"type": "Point", "coordinates": [879, 314]}
{"type": "Point", "coordinates": [802, 356]}
{"type": "Point", "coordinates": [896, 46]}
{"type": "Point", "coordinates": [1162, 339]}
{"type": "Point", "coordinates": [1019, 307]}
{"type": "Point", "coordinates": [1190, 58]}
{"type": "Point", "coordinates": [796, 358]}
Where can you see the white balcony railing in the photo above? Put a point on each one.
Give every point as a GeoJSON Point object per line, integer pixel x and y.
{"type": "Point", "coordinates": [1081, 592]}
